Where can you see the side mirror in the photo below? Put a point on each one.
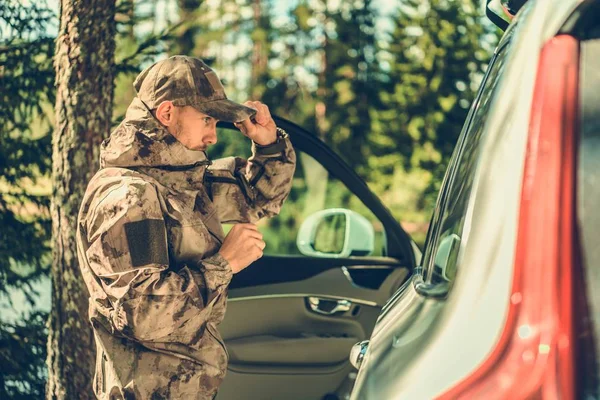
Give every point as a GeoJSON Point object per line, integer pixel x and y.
{"type": "Point", "coordinates": [337, 233]}
{"type": "Point", "coordinates": [501, 12]}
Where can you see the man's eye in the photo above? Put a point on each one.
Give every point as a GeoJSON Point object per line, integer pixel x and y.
{"type": "Point", "coordinates": [207, 120]}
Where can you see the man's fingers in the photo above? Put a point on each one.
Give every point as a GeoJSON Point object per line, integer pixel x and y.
{"type": "Point", "coordinates": [248, 226]}
{"type": "Point", "coordinates": [241, 127]}
{"type": "Point", "coordinates": [255, 105]}
{"type": "Point", "coordinates": [254, 234]}
{"type": "Point", "coordinates": [263, 114]}
{"type": "Point", "coordinates": [249, 229]}
{"type": "Point", "coordinates": [266, 112]}
{"type": "Point", "coordinates": [246, 126]}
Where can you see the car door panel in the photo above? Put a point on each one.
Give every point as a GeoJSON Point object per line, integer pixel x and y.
{"type": "Point", "coordinates": [310, 341]}
{"type": "Point", "coordinates": [297, 386]}
{"type": "Point", "coordinates": [274, 337]}
{"type": "Point", "coordinates": [280, 349]}
{"type": "Point", "coordinates": [299, 349]}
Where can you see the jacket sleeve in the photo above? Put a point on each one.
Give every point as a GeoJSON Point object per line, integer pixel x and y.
{"type": "Point", "coordinates": [127, 251]}
{"type": "Point", "coordinates": [248, 190]}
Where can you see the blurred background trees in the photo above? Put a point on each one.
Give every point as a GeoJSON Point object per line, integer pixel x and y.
{"type": "Point", "coordinates": [26, 99]}
{"type": "Point", "coordinates": [386, 84]}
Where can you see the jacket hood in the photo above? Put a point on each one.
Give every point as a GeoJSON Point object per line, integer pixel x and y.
{"type": "Point", "coordinates": [141, 141]}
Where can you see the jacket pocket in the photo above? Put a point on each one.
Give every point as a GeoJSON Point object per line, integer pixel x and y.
{"type": "Point", "coordinates": [232, 195]}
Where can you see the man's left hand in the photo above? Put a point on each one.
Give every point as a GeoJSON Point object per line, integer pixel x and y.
{"type": "Point", "coordinates": [264, 131]}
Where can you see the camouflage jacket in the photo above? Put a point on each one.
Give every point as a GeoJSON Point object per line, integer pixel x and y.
{"type": "Point", "coordinates": [148, 233]}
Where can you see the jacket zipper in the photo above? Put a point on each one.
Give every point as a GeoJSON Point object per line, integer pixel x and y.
{"type": "Point", "coordinates": [208, 327]}
{"type": "Point", "coordinates": [103, 370]}
{"type": "Point", "coordinates": [215, 236]}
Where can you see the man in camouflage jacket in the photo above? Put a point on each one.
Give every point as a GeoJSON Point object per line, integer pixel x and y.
{"type": "Point", "coordinates": [150, 243]}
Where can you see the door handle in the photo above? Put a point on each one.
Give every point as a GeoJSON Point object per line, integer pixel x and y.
{"type": "Point", "coordinates": [328, 306]}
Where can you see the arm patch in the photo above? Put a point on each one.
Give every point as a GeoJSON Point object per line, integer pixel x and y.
{"type": "Point", "coordinates": [147, 242]}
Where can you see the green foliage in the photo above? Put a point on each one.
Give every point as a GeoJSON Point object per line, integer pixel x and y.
{"type": "Point", "coordinates": [26, 99]}
{"type": "Point", "coordinates": [26, 95]}
{"type": "Point", "coordinates": [436, 50]}
{"type": "Point", "coordinates": [22, 347]}
{"type": "Point", "coordinates": [352, 82]}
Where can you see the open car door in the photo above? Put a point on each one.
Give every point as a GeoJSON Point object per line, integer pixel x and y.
{"type": "Point", "coordinates": [334, 255]}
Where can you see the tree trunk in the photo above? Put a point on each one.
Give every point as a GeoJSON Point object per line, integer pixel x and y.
{"type": "Point", "coordinates": [84, 62]}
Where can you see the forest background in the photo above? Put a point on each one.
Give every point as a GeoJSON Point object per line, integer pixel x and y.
{"type": "Point", "coordinates": [386, 84]}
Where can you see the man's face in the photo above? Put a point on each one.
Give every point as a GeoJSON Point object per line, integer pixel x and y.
{"type": "Point", "coordinates": [193, 129]}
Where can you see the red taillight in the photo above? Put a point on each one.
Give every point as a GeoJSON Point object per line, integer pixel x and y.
{"type": "Point", "coordinates": [534, 355]}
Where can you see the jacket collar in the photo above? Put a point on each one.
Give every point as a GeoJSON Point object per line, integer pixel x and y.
{"type": "Point", "coordinates": [141, 141]}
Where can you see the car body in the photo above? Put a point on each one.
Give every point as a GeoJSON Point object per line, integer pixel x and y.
{"type": "Point", "coordinates": [505, 302]}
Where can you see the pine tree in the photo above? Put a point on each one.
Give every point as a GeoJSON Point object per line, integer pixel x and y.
{"type": "Point", "coordinates": [23, 345]}
{"type": "Point", "coordinates": [26, 98]}
{"type": "Point", "coordinates": [26, 95]}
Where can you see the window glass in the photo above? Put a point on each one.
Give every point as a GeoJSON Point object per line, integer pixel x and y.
{"type": "Point", "coordinates": [440, 260]}
{"type": "Point", "coordinates": [313, 189]}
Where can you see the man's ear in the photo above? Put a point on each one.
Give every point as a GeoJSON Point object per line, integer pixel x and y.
{"type": "Point", "coordinates": [165, 113]}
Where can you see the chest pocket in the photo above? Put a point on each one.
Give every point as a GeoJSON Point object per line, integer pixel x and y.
{"type": "Point", "coordinates": [232, 195]}
{"type": "Point", "coordinates": [193, 227]}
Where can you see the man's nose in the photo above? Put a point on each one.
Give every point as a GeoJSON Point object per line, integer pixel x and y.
{"type": "Point", "coordinates": [211, 138]}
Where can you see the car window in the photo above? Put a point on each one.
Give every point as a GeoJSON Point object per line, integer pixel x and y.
{"type": "Point", "coordinates": [440, 260]}
{"type": "Point", "coordinates": [313, 189]}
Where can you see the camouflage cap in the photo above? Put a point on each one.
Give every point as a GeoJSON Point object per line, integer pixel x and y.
{"type": "Point", "coordinates": [188, 81]}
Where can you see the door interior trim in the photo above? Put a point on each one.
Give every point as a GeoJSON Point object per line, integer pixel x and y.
{"type": "Point", "coordinates": [304, 295]}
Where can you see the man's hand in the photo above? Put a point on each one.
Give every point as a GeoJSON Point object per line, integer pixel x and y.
{"type": "Point", "coordinates": [242, 246]}
{"type": "Point", "coordinates": [264, 131]}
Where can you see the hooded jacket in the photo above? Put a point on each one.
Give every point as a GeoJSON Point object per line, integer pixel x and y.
{"type": "Point", "coordinates": [148, 233]}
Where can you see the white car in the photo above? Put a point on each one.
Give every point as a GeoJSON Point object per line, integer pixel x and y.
{"type": "Point", "coordinates": [506, 301]}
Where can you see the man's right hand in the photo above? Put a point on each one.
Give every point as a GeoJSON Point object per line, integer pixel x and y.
{"type": "Point", "coordinates": [242, 246]}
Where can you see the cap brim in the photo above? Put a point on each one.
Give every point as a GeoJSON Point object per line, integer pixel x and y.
{"type": "Point", "coordinates": [225, 110]}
